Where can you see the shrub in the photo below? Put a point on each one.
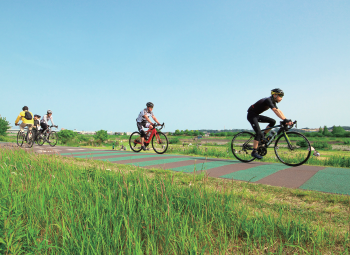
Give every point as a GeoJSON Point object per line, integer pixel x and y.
{"type": "Point", "coordinates": [347, 142]}
{"type": "Point", "coordinates": [322, 146]}
{"type": "Point", "coordinates": [174, 140]}
{"type": "Point", "coordinates": [101, 135]}
{"type": "Point", "coordinates": [302, 143]}
{"type": "Point", "coordinates": [4, 126]}
{"type": "Point", "coordinates": [65, 136]}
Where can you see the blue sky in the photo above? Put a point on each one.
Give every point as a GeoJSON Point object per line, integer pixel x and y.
{"type": "Point", "coordinates": [95, 64]}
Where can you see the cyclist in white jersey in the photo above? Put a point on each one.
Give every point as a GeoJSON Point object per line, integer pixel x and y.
{"type": "Point", "coordinates": [45, 121]}
{"type": "Point", "coordinates": [143, 121]}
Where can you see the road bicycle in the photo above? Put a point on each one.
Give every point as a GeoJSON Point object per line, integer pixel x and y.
{"type": "Point", "coordinates": [291, 147]}
{"type": "Point", "coordinates": [159, 140]}
{"type": "Point", "coordinates": [26, 138]}
{"type": "Point", "coordinates": [47, 136]}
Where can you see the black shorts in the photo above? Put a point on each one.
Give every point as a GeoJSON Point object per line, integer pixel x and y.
{"type": "Point", "coordinates": [254, 120]}
{"type": "Point", "coordinates": [141, 126]}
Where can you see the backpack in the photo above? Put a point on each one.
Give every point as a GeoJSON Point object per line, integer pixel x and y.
{"type": "Point", "coordinates": [28, 116]}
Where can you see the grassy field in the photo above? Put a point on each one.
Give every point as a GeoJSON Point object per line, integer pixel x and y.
{"type": "Point", "coordinates": [56, 205]}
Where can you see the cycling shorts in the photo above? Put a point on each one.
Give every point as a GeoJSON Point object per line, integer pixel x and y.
{"type": "Point", "coordinates": [254, 120]}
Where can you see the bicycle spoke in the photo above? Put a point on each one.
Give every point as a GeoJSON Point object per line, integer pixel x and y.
{"type": "Point", "coordinates": [242, 146]}
{"type": "Point", "coordinates": [292, 149]}
{"type": "Point", "coordinates": [135, 142]}
{"type": "Point", "coordinates": [160, 143]}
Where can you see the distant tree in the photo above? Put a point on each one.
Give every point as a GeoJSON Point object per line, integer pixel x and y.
{"type": "Point", "coordinates": [177, 132]}
{"type": "Point", "coordinates": [320, 130]}
{"type": "Point", "coordinates": [326, 132]}
{"type": "Point", "coordinates": [338, 131]}
{"type": "Point", "coordinates": [196, 132]}
{"type": "Point", "coordinates": [201, 132]}
{"type": "Point", "coordinates": [4, 126]}
{"type": "Point", "coordinates": [101, 135]}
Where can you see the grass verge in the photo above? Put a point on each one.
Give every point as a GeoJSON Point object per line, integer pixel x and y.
{"type": "Point", "coordinates": [56, 205]}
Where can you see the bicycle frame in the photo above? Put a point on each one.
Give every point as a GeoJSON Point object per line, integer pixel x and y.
{"type": "Point", "coordinates": [153, 132]}
{"type": "Point", "coordinates": [283, 130]}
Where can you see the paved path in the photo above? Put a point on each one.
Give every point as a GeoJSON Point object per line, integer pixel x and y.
{"type": "Point", "coordinates": [326, 179]}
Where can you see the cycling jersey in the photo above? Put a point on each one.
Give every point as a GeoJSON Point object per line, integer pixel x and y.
{"type": "Point", "coordinates": [46, 119]}
{"type": "Point", "coordinates": [141, 117]}
{"type": "Point", "coordinates": [263, 105]}
{"type": "Point", "coordinates": [24, 120]}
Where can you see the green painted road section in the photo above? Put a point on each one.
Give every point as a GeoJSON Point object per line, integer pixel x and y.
{"type": "Point", "coordinates": [82, 152]}
{"type": "Point", "coordinates": [255, 173]}
{"type": "Point", "coordinates": [203, 166]}
{"type": "Point", "coordinates": [133, 157]}
{"type": "Point", "coordinates": [333, 180]}
{"type": "Point", "coordinates": [102, 155]}
{"type": "Point", "coordinates": [160, 161]}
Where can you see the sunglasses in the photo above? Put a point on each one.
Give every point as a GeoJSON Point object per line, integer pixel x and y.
{"type": "Point", "coordinates": [280, 95]}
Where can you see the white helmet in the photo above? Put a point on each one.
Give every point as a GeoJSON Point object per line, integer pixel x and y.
{"type": "Point", "coordinates": [49, 111]}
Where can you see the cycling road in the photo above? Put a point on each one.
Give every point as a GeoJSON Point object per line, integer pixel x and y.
{"type": "Point", "coordinates": [319, 178]}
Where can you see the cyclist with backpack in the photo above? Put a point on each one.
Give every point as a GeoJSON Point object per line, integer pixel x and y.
{"type": "Point", "coordinates": [143, 121]}
{"type": "Point", "coordinates": [254, 117]}
{"type": "Point", "coordinates": [27, 119]}
{"type": "Point", "coordinates": [45, 121]}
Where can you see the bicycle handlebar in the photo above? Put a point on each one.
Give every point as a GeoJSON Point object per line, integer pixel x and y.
{"type": "Point", "coordinates": [159, 125]}
{"type": "Point", "coordinates": [286, 127]}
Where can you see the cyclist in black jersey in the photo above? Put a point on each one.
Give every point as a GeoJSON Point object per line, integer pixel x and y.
{"type": "Point", "coordinates": [254, 116]}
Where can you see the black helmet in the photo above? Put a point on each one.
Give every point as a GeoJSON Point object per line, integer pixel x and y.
{"type": "Point", "coordinates": [150, 104]}
{"type": "Point", "coordinates": [36, 115]}
{"type": "Point", "coordinates": [277, 91]}
{"type": "Point", "coordinates": [49, 111]}
{"type": "Point", "coordinates": [25, 108]}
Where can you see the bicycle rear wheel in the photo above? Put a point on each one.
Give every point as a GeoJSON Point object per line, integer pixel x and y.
{"type": "Point", "coordinates": [292, 149]}
{"type": "Point", "coordinates": [20, 138]}
{"type": "Point", "coordinates": [242, 146]}
{"type": "Point", "coordinates": [30, 138]}
{"type": "Point", "coordinates": [135, 142]}
{"type": "Point", "coordinates": [40, 139]}
{"type": "Point", "coordinates": [160, 143]}
{"type": "Point", "coordinates": [53, 138]}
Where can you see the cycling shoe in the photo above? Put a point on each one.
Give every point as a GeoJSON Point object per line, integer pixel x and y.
{"type": "Point", "coordinates": [256, 155]}
{"type": "Point", "coordinates": [143, 147]}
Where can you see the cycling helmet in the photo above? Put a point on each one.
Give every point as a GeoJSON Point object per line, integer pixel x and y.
{"type": "Point", "coordinates": [25, 108]}
{"type": "Point", "coordinates": [277, 91]}
{"type": "Point", "coordinates": [149, 104]}
{"type": "Point", "coordinates": [49, 111]}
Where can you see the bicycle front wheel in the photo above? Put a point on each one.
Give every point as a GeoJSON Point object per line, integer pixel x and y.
{"type": "Point", "coordinates": [20, 138]}
{"type": "Point", "coordinates": [53, 138]}
{"type": "Point", "coordinates": [292, 148]}
{"type": "Point", "coordinates": [242, 146]}
{"type": "Point", "coordinates": [135, 142]}
{"type": "Point", "coordinates": [160, 143]}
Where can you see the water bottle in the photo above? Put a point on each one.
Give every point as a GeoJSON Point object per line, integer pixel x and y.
{"type": "Point", "coordinates": [271, 135]}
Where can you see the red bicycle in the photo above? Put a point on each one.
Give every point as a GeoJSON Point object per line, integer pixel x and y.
{"type": "Point", "coordinates": [158, 139]}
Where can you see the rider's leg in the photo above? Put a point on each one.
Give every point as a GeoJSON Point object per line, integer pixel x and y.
{"type": "Point", "coordinates": [253, 119]}
{"type": "Point", "coordinates": [264, 119]}
{"type": "Point", "coordinates": [142, 133]}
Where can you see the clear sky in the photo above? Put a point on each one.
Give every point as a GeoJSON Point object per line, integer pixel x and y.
{"type": "Point", "coordinates": [95, 64]}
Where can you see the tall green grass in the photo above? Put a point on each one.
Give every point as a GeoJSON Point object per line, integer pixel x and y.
{"type": "Point", "coordinates": [49, 206]}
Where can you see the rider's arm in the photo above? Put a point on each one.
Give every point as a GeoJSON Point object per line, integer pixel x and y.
{"type": "Point", "coordinates": [279, 113]}
{"type": "Point", "coordinates": [18, 118]}
{"type": "Point", "coordinates": [146, 117]}
{"type": "Point", "coordinates": [52, 121]}
{"type": "Point", "coordinates": [155, 119]}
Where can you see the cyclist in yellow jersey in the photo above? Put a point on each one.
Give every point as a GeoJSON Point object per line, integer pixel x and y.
{"type": "Point", "coordinates": [27, 119]}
